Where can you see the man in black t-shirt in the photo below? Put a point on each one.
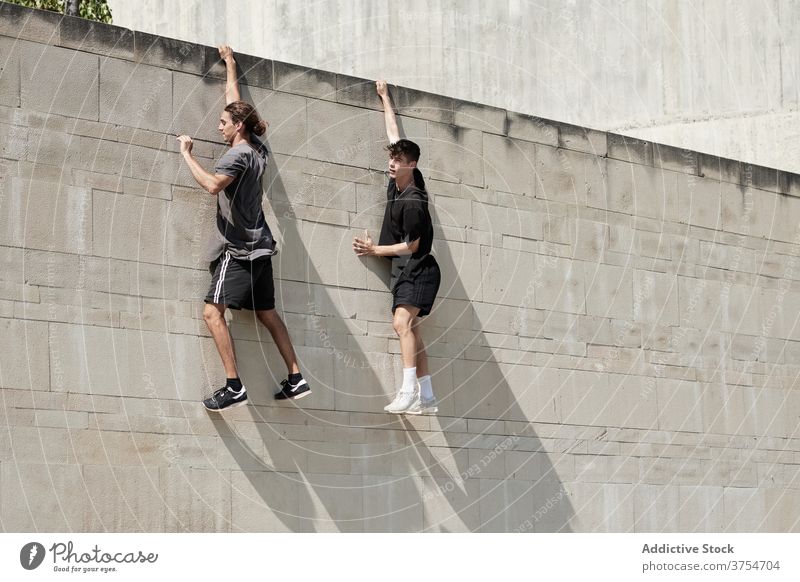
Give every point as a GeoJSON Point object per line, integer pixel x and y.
{"type": "Point", "coordinates": [406, 238]}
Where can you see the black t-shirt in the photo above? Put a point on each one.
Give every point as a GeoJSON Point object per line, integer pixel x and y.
{"type": "Point", "coordinates": [406, 217]}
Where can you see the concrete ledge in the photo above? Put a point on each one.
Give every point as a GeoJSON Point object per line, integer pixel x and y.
{"type": "Point", "coordinates": [95, 37]}
{"type": "Point", "coordinates": [31, 24]}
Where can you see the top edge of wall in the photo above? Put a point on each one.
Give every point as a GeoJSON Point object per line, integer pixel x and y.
{"type": "Point", "coordinates": [106, 40]}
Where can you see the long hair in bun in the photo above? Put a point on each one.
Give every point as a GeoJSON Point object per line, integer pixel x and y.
{"type": "Point", "coordinates": [243, 112]}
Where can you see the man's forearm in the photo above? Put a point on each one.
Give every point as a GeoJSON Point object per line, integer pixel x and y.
{"type": "Point", "coordinates": [204, 178]}
{"type": "Point", "coordinates": [400, 249]}
{"type": "Point", "coordinates": [232, 82]}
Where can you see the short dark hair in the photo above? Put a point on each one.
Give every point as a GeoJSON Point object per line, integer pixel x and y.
{"type": "Point", "coordinates": [404, 147]}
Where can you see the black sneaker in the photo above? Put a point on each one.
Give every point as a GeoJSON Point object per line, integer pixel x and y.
{"type": "Point", "coordinates": [293, 391]}
{"type": "Point", "coordinates": [225, 398]}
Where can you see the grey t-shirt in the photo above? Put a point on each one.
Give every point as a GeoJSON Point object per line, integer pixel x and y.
{"type": "Point", "coordinates": [241, 227]}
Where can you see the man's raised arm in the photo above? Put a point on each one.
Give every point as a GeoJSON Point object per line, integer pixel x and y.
{"type": "Point", "coordinates": [388, 112]}
{"type": "Point", "coordinates": [232, 82]}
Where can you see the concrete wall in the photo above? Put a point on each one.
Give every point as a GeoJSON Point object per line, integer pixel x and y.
{"type": "Point", "coordinates": [709, 75]}
{"type": "Point", "coordinates": [615, 347]}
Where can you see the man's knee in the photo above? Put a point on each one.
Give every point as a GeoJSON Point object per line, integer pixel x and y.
{"type": "Point", "coordinates": [213, 312]}
{"type": "Point", "coordinates": [267, 315]}
{"type": "Point", "coordinates": [401, 323]}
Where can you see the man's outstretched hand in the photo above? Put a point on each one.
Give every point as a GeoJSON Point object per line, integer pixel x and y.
{"type": "Point", "coordinates": [186, 144]}
{"type": "Point", "coordinates": [364, 247]}
{"type": "Point", "coordinates": [225, 52]}
{"type": "Point", "coordinates": [382, 88]}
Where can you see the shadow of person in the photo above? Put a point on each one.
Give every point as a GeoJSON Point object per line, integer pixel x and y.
{"type": "Point", "coordinates": [491, 473]}
{"type": "Point", "coordinates": [297, 458]}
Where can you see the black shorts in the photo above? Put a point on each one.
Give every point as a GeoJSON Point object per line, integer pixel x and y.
{"type": "Point", "coordinates": [418, 290]}
{"type": "Point", "coordinates": [242, 284]}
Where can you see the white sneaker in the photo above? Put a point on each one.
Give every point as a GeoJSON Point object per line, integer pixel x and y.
{"type": "Point", "coordinates": [401, 402]}
{"type": "Point", "coordinates": [393, 402]}
{"type": "Point", "coordinates": [422, 406]}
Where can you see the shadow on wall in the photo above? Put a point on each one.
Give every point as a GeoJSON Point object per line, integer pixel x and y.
{"type": "Point", "coordinates": [335, 461]}
{"type": "Point", "coordinates": [505, 481]}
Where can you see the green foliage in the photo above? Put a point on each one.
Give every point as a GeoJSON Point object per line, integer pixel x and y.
{"type": "Point", "coordinates": [53, 5]}
{"type": "Point", "coordinates": [90, 9]}
{"type": "Point", "coordinates": [95, 10]}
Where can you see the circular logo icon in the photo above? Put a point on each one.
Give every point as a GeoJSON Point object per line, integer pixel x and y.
{"type": "Point", "coordinates": [31, 555]}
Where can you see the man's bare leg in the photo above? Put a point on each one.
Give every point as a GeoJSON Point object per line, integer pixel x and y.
{"type": "Point", "coordinates": [402, 321]}
{"type": "Point", "coordinates": [427, 401]}
{"type": "Point", "coordinates": [214, 316]}
{"type": "Point", "coordinates": [277, 329]}
{"type": "Point", "coordinates": [295, 386]}
{"type": "Point", "coordinates": [422, 356]}
{"type": "Point", "coordinates": [233, 393]}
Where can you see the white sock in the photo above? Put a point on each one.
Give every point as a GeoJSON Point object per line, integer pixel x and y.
{"type": "Point", "coordinates": [425, 387]}
{"type": "Point", "coordinates": [409, 380]}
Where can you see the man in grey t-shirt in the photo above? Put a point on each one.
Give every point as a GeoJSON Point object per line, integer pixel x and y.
{"type": "Point", "coordinates": [241, 227]}
{"type": "Point", "coordinates": [242, 248]}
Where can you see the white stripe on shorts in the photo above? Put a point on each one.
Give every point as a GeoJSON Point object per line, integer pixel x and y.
{"type": "Point", "coordinates": [222, 271]}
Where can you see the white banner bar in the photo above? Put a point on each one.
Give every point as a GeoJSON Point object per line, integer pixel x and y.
{"type": "Point", "coordinates": [389, 557]}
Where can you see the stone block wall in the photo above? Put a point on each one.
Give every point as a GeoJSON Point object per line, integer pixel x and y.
{"type": "Point", "coordinates": [614, 348]}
